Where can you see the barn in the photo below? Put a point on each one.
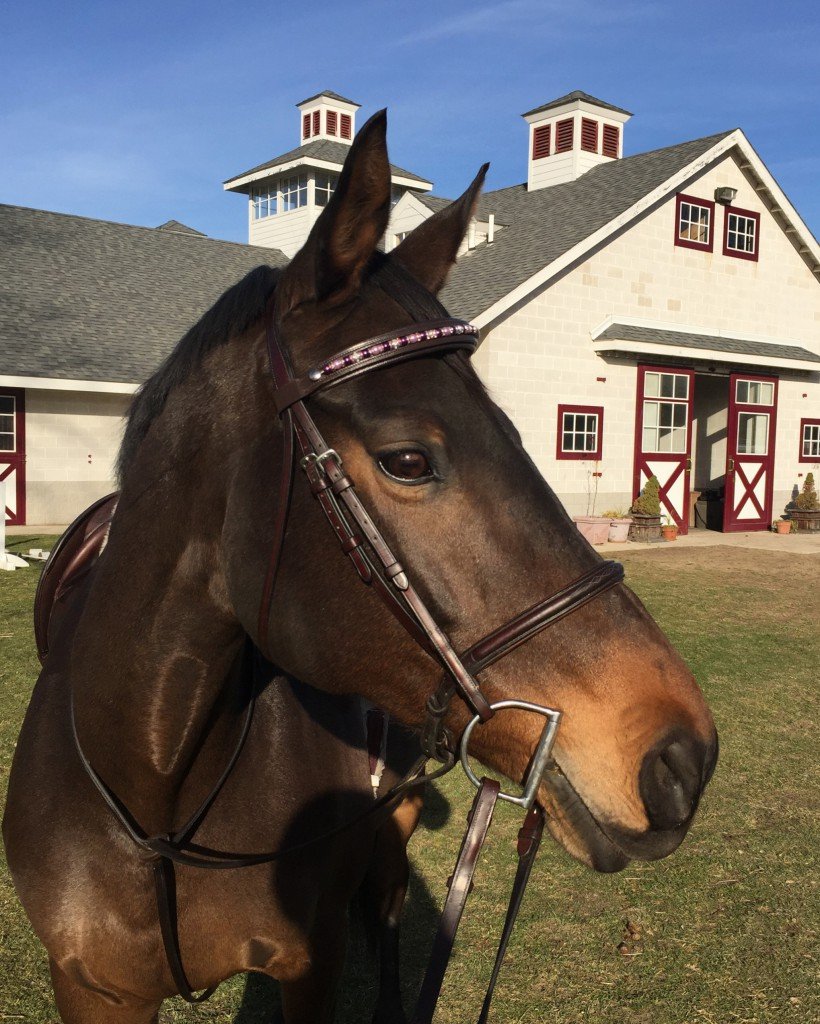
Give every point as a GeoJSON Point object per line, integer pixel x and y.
{"type": "Point", "coordinates": [649, 314]}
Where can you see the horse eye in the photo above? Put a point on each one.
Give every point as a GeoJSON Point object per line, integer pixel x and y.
{"type": "Point", "coordinates": [406, 465]}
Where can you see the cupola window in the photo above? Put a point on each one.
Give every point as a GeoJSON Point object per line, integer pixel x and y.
{"type": "Point", "coordinates": [612, 138]}
{"type": "Point", "coordinates": [346, 124]}
{"type": "Point", "coordinates": [589, 135]}
{"type": "Point", "coordinates": [541, 142]}
{"type": "Point", "coordinates": [264, 202]}
{"type": "Point", "coordinates": [563, 135]}
{"type": "Point", "coordinates": [306, 126]}
{"type": "Point", "coordinates": [332, 122]}
{"type": "Point", "coordinates": [324, 186]}
{"type": "Point", "coordinates": [294, 192]}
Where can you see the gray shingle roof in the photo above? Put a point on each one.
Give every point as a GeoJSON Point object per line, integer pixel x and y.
{"type": "Point", "coordinates": [320, 149]}
{"type": "Point", "coordinates": [546, 223]}
{"type": "Point", "coordinates": [576, 95]}
{"type": "Point", "coordinates": [331, 95]}
{"type": "Point", "coordinates": [178, 226]}
{"type": "Point", "coordinates": [715, 343]}
{"type": "Point", "coordinates": [90, 300]}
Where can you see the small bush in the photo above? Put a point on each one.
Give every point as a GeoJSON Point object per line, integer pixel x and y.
{"type": "Point", "coordinates": [648, 502]}
{"type": "Point", "coordinates": [807, 500]}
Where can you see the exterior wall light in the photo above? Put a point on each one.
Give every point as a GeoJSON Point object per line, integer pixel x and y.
{"type": "Point", "coordinates": [725, 195]}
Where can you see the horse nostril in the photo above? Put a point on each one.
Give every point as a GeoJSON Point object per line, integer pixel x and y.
{"type": "Point", "coordinates": [670, 782]}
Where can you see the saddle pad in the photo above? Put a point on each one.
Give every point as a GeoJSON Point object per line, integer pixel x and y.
{"type": "Point", "coordinates": [71, 558]}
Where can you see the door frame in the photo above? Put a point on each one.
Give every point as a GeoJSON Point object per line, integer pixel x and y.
{"type": "Point", "coordinates": [730, 523]}
{"type": "Point", "coordinates": [683, 459]}
{"type": "Point", "coordinates": [15, 462]}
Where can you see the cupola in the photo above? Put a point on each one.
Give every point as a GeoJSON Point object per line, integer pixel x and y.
{"type": "Point", "coordinates": [327, 115]}
{"type": "Point", "coordinates": [571, 135]}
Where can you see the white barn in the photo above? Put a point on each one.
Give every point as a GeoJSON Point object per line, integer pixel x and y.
{"type": "Point", "coordinates": [655, 313]}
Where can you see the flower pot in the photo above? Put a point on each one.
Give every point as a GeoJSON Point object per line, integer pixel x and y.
{"type": "Point", "coordinates": [669, 532]}
{"type": "Point", "coordinates": [645, 528]}
{"type": "Point", "coordinates": [594, 528]}
{"type": "Point", "coordinates": [618, 530]}
{"type": "Point", "coordinates": [805, 520]}
{"type": "Point", "coordinates": [783, 526]}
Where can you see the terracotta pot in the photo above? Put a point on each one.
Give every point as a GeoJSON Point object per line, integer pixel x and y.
{"type": "Point", "coordinates": [669, 532]}
{"type": "Point", "coordinates": [594, 528]}
{"type": "Point", "coordinates": [783, 526]}
{"type": "Point", "coordinates": [645, 528]}
{"type": "Point", "coordinates": [619, 530]}
{"type": "Point", "coordinates": [805, 520]}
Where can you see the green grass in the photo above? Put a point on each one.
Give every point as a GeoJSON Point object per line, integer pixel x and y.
{"type": "Point", "coordinates": [727, 928]}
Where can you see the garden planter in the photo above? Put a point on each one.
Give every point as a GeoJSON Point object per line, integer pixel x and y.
{"type": "Point", "coordinates": [808, 520]}
{"type": "Point", "coordinates": [669, 532]}
{"type": "Point", "coordinates": [783, 526]}
{"type": "Point", "coordinates": [594, 528]}
{"type": "Point", "coordinates": [645, 528]}
{"type": "Point", "coordinates": [618, 530]}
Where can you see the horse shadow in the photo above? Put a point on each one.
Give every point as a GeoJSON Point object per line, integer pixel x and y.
{"type": "Point", "coordinates": [261, 1003]}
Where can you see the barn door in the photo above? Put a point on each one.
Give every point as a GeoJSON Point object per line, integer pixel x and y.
{"type": "Point", "coordinates": [750, 452]}
{"type": "Point", "coordinates": [663, 442]}
{"type": "Point", "coordinates": [13, 454]}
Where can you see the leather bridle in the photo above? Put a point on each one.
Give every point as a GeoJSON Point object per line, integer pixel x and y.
{"type": "Point", "coordinates": [378, 567]}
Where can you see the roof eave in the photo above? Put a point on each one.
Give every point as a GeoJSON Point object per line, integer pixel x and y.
{"type": "Point", "coordinates": [615, 347]}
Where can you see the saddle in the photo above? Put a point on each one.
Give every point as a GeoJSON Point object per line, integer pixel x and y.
{"type": "Point", "coordinates": [72, 558]}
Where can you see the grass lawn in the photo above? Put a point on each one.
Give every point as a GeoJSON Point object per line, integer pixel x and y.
{"type": "Point", "coordinates": [724, 932]}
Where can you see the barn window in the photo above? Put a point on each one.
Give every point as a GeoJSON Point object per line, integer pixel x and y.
{"type": "Point", "coordinates": [294, 192]}
{"type": "Point", "coordinates": [563, 135]}
{"type": "Point", "coordinates": [694, 220]}
{"type": "Point", "coordinates": [741, 233]}
{"type": "Point", "coordinates": [541, 142]}
{"type": "Point", "coordinates": [810, 440]}
{"type": "Point", "coordinates": [589, 135]}
{"type": "Point", "coordinates": [580, 432]}
{"type": "Point", "coordinates": [611, 140]}
{"type": "Point", "coordinates": [325, 184]}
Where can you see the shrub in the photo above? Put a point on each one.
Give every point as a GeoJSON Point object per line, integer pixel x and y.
{"type": "Point", "coordinates": [648, 502]}
{"type": "Point", "coordinates": [807, 500]}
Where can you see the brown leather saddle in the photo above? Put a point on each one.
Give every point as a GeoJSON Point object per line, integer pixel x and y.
{"type": "Point", "coordinates": [73, 556]}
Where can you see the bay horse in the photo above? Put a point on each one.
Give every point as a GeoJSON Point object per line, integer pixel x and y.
{"type": "Point", "coordinates": [143, 696]}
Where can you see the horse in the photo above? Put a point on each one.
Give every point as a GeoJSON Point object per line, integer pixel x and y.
{"type": "Point", "coordinates": [140, 712]}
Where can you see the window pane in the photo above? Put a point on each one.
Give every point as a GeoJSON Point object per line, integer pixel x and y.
{"type": "Point", "coordinates": [667, 385]}
{"type": "Point", "coordinates": [680, 416]}
{"type": "Point", "coordinates": [650, 414]}
{"type": "Point", "coordinates": [666, 414]}
{"type": "Point", "coordinates": [6, 403]}
{"type": "Point", "coordinates": [651, 385]}
{"type": "Point", "coordinates": [6, 443]}
{"type": "Point", "coordinates": [665, 439]}
{"type": "Point", "coordinates": [811, 440]}
{"type": "Point", "coordinates": [7, 424]}
{"type": "Point", "coordinates": [681, 386]}
{"type": "Point", "coordinates": [752, 433]}
{"type": "Point", "coordinates": [742, 391]}
{"type": "Point", "coordinates": [649, 439]}
{"type": "Point", "coordinates": [566, 444]}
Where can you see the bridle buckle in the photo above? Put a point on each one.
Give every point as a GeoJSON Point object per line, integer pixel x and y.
{"type": "Point", "coordinates": [541, 758]}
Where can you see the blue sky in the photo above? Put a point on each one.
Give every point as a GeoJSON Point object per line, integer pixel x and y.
{"type": "Point", "coordinates": [137, 113]}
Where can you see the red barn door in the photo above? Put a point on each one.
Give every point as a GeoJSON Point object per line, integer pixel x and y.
{"type": "Point", "coordinates": [13, 454]}
{"type": "Point", "coordinates": [750, 452]}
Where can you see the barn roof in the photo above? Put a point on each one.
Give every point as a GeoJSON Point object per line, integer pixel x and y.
{"type": "Point", "coordinates": [84, 299]}
{"type": "Point", "coordinates": [546, 223]}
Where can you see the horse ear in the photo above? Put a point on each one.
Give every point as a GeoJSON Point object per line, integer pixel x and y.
{"type": "Point", "coordinates": [330, 264]}
{"type": "Point", "coordinates": [430, 250]}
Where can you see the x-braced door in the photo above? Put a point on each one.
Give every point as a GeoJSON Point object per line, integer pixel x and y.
{"type": "Point", "coordinates": [750, 452]}
{"type": "Point", "coordinates": [663, 442]}
{"type": "Point", "coordinates": [13, 454]}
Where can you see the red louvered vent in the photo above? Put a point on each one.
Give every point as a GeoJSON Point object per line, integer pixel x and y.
{"type": "Point", "coordinates": [541, 142]}
{"type": "Point", "coordinates": [563, 135]}
{"type": "Point", "coordinates": [306, 126]}
{"type": "Point", "coordinates": [611, 134]}
{"type": "Point", "coordinates": [589, 135]}
{"type": "Point", "coordinates": [345, 120]}
{"type": "Point", "coordinates": [332, 118]}
{"type": "Point", "coordinates": [316, 124]}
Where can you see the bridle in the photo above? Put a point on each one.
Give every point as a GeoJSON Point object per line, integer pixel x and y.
{"type": "Point", "coordinates": [378, 567]}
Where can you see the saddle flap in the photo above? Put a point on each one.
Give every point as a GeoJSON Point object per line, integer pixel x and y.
{"type": "Point", "coordinates": [71, 558]}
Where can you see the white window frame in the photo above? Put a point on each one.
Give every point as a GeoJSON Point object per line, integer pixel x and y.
{"type": "Point", "coordinates": [13, 432]}
{"type": "Point", "coordinates": [296, 185]}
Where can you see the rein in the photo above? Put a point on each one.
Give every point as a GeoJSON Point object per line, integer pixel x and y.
{"type": "Point", "coordinates": [377, 567]}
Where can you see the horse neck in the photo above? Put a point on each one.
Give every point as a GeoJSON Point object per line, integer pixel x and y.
{"type": "Point", "coordinates": [154, 649]}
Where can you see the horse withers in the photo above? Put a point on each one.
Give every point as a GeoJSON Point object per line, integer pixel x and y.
{"type": "Point", "coordinates": [145, 675]}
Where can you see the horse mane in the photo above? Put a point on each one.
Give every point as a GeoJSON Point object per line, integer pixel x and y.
{"type": "Point", "coordinates": [231, 314]}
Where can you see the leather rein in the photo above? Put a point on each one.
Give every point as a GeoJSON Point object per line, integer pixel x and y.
{"type": "Point", "coordinates": [377, 566]}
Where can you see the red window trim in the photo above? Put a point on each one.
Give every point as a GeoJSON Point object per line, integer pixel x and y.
{"type": "Point", "coordinates": [541, 141]}
{"type": "Point", "coordinates": [563, 144]}
{"type": "Point", "coordinates": [589, 130]}
{"type": "Point", "coordinates": [736, 252]}
{"type": "Point", "coordinates": [610, 141]}
{"type": "Point", "coordinates": [813, 421]}
{"type": "Point", "coordinates": [587, 410]}
{"type": "Point", "coordinates": [689, 243]}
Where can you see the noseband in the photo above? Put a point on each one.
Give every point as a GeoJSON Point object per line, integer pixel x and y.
{"type": "Point", "coordinates": [378, 567]}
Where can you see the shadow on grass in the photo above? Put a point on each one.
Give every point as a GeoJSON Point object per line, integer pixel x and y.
{"type": "Point", "coordinates": [261, 1001]}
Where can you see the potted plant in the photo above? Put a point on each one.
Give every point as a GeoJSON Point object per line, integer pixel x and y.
{"type": "Point", "coordinates": [805, 511]}
{"type": "Point", "coordinates": [619, 523]}
{"type": "Point", "coordinates": [646, 513]}
{"type": "Point", "coordinates": [783, 526]}
{"type": "Point", "coordinates": [594, 528]}
{"type": "Point", "coordinates": [669, 530]}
